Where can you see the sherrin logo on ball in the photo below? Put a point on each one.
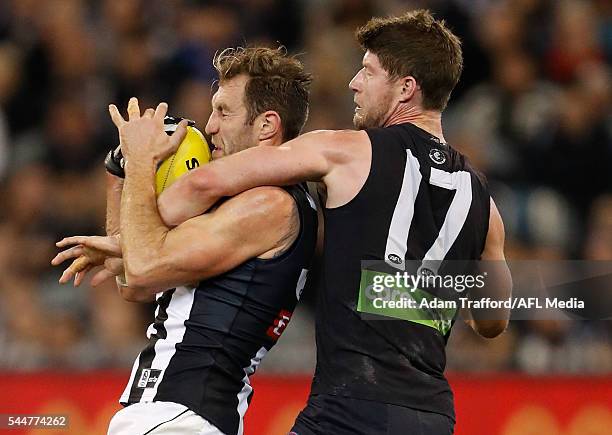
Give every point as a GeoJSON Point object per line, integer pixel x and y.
{"type": "Point", "coordinates": [191, 153]}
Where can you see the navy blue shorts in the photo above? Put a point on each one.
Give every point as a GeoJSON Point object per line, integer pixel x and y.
{"type": "Point", "coordinates": [327, 414]}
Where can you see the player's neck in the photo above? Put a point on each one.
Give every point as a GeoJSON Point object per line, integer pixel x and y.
{"type": "Point", "coordinates": [428, 120]}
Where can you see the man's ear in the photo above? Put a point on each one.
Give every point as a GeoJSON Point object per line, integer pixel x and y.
{"type": "Point", "coordinates": [409, 88]}
{"type": "Point", "coordinates": [270, 125]}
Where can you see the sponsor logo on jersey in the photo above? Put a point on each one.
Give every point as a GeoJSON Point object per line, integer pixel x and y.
{"type": "Point", "coordinates": [280, 323]}
{"type": "Point", "coordinates": [148, 378]}
{"type": "Point", "coordinates": [437, 156]}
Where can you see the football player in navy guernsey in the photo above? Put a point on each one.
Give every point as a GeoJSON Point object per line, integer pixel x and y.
{"type": "Point", "coordinates": [397, 193]}
{"type": "Point", "coordinates": [246, 260]}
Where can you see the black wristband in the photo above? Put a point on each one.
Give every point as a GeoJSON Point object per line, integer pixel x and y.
{"type": "Point", "coordinates": [114, 162]}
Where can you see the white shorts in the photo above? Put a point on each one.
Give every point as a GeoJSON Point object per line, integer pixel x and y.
{"type": "Point", "coordinates": [159, 418]}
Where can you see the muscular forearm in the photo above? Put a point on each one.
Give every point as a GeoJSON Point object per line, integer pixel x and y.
{"type": "Point", "coordinates": [142, 230]}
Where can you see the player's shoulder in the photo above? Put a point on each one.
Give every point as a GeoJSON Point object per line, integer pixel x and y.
{"type": "Point", "coordinates": [341, 146]}
{"type": "Point", "coordinates": [337, 137]}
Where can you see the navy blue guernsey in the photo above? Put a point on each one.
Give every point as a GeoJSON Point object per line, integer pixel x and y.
{"type": "Point", "coordinates": [207, 340]}
{"type": "Point", "coordinates": [421, 200]}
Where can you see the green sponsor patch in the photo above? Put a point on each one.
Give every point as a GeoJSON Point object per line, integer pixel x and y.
{"type": "Point", "coordinates": [403, 303]}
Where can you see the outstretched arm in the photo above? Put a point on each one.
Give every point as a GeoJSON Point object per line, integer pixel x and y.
{"type": "Point", "coordinates": [314, 156]}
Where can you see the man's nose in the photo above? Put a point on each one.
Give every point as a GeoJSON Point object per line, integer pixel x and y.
{"type": "Point", "coordinates": [355, 82]}
{"type": "Point", "coordinates": [212, 126]}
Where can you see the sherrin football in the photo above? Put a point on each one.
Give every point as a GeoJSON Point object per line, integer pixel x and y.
{"type": "Point", "coordinates": [191, 153]}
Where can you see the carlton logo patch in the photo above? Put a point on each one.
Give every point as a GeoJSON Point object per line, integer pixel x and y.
{"type": "Point", "coordinates": [395, 259]}
{"type": "Point", "coordinates": [148, 378]}
{"type": "Point", "coordinates": [437, 156]}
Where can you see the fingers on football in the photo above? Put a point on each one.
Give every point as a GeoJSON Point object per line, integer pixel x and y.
{"type": "Point", "coordinates": [160, 112]}
{"type": "Point", "coordinates": [179, 134]}
{"type": "Point", "coordinates": [116, 116]}
{"type": "Point", "coordinates": [133, 109]}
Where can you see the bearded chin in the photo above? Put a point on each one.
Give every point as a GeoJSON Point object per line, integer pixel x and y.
{"type": "Point", "coordinates": [359, 122]}
{"type": "Point", "coordinates": [368, 120]}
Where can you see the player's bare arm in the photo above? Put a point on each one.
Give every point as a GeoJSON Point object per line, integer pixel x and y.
{"type": "Point", "coordinates": [96, 251]}
{"type": "Point", "coordinates": [105, 251]}
{"type": "Point", "coordinates": [498, 285]}
{"type": "Point", "coordinates": [113, 266]}
{"type": "Point", "coordinates": [155, 256]}
{"type": "Point", "coordinates": [334, 157]}
{"type": "Point", "coordinates": [246, 226]}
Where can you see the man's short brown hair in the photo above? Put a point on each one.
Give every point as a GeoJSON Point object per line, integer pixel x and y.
{"type": "Point", "coordinates": [276, 82]}
{"type": "Point", "coordinates": [415, 44]}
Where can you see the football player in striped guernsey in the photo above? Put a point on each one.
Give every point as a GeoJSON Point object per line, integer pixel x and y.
{"type": "Point", "coordinates": [226, 282]}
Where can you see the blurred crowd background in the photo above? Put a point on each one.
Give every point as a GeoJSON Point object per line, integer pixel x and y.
{"type": "Point", "coordinates": [532, 110]}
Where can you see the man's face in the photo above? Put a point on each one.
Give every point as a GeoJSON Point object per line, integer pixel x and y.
{"type": "Point", "coordinates": [228, 124]}
{"type": "Point", "coordinates": [373, 94]}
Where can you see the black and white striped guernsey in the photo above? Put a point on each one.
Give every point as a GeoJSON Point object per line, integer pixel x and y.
{"type": "Point", "coordinates": [421, 201]}
{"type": "Point", "coordinates": [207, 340]}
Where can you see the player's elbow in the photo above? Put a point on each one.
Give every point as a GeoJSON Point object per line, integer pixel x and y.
{"type": "Point", "coordinates": [139, 274]}
{"type": "Point", "coordinates": [189, 197]}
{"type": "Point", "coordinates": [170, 214]}
{"type": "Point", "coordinates": [160, 271]}
{"type": "Point", "coordinates": [205, 185]}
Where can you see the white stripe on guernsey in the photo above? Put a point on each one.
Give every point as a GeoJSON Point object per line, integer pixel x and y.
{"type": "Point", "coordinates": [301, 283]}
{"type": "Point", "coordinates": [178, 311]}
{"type": "Point", "coordinates": [397, 239]}
{"type": "Point", "coordinates": [461, 181]}
{"type": "Point", "coordinates": [125, 397]}
{"type": "Point", "coordinates": [243, 395]}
